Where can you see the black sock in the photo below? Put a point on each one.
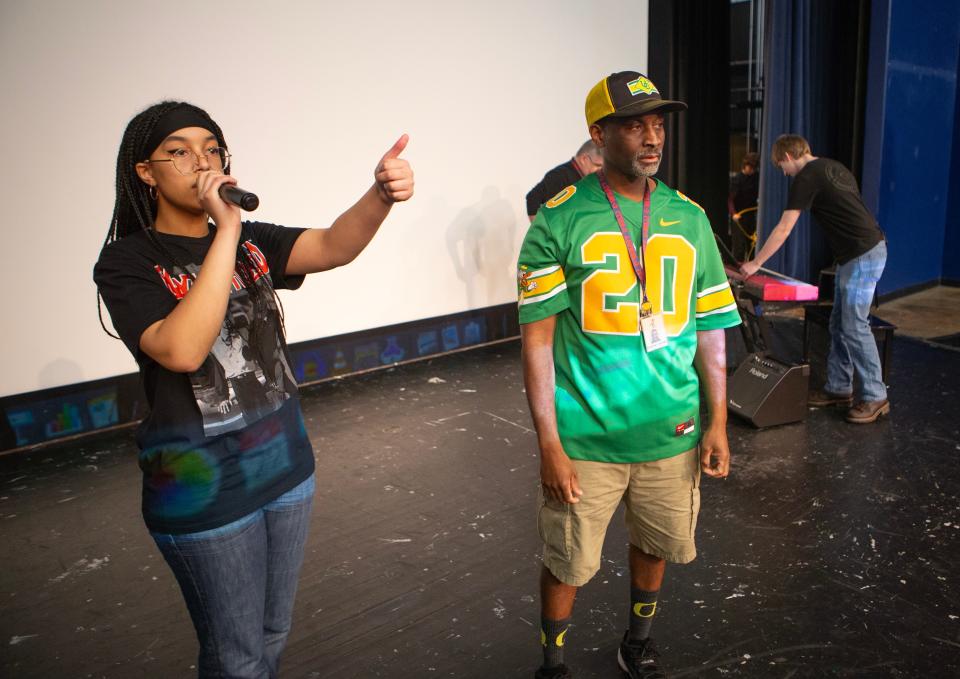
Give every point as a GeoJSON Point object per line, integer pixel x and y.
{"type": "Point", "coordinates": [643, 605]}
{"type": "Point", "coordinates": [552, 637]}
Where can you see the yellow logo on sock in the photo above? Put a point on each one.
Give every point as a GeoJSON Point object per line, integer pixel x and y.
{"type": "Point", "coordinates": [561, 636]}
{"type": "Point", "coordinates": [543, 638]}
{"type": "Point", "coordinates": [639, 608]}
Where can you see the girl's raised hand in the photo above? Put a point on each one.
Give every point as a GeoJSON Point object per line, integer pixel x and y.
{"type": "Point", "coordinates": [394, 175]}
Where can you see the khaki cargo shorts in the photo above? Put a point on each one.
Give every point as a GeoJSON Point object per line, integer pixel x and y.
{"type": "Point", "coordinates": [662, 500]}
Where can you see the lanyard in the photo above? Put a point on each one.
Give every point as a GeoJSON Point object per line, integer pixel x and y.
{"type": "Point", "coordinates": [638, 266]}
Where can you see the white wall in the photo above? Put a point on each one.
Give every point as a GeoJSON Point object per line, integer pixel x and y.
{"type": "Point", "coordinates": [309, 95]}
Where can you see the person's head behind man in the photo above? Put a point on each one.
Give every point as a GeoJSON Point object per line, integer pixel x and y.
{"type": "Point", "coordinates": [624, 113]}
{"type": "Point", "coordinates": [790, 153]}
{"type": "Point", "coordinates": [750, 163]}
{"type": "Point", "coordinates": [588, 158]}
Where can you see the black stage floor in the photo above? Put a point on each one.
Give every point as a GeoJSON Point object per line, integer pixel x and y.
{"type": "Point", "coordinates": [831, 551]}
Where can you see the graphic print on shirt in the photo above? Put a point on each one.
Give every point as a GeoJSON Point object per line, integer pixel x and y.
{"type": "Point", "coordinates": [840, 178]}
{"type": "Point", "coordinates": [246, 375]}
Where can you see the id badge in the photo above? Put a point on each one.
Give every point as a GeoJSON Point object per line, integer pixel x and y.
{"type": "Point", "coordinates": [654, 333]}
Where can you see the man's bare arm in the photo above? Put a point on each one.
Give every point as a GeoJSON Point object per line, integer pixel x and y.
{"type": "Point", "coordinates": [711, 365]}
{"type": "Point", "coordinates": [557, 473]}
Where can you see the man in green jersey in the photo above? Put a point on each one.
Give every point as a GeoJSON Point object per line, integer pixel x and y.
{"type": "Point", "coordinates": [623, 305]}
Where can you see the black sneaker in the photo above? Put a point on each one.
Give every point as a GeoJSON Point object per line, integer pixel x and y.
{"type": "Point", "coordinates": [638, 659]}
{"type": "Point", "coordinates": [558, 672]}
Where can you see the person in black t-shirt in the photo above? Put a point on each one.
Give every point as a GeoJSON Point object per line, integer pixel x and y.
{"type": "Point", "coordinates": [586, 161]}
{"type": "Point", "coordinates": [742, 206]}
{"type": "Point", "coordinates": [227, 465]}
{"type": "Point", "coordinates": [829, 191]}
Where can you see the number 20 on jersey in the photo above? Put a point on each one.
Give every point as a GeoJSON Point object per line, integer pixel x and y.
{"type": "Point", "coordinates": [671, 263]}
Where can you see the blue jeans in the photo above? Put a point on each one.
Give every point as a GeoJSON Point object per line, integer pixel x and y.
{"type": "Point", "coordinates": [853, 350]}
{"type": "Point", "coordinates": [239, 583]}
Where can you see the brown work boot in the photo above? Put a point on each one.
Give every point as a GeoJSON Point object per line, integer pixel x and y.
{"type": "Point", "coordinates": [866, 412]}
{"type": "Point", "coordinates": [819, 398]}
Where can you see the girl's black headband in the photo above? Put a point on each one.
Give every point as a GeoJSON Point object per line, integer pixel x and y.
{"type": "Point", "coordinates": [177, 118]}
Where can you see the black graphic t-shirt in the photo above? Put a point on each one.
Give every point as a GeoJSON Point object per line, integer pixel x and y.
{"type": "Point", "coordinates": [829, 191]}
{"type": "Point", "coordinates": [224, 440]}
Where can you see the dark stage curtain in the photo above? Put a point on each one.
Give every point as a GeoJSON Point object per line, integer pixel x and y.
{"type": "Point", "coordinates": [688, 57]}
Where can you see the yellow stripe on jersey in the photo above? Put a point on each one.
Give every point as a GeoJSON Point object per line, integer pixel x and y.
{"type": "Point", "coordinates": [561, 197]}
{"type": "Point", "coordinates": [715, 300]}
{"type": "Point", "coordinates": [691, 201]}
{"type": "Point", "coordinates": [537, 286]}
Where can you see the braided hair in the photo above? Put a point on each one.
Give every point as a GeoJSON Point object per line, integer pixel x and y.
{"type": "Point", "coordinates": [135, 210]}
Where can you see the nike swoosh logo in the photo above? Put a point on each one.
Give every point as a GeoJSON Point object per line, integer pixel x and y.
{"type": "Point", "coordinates": [663, 222]}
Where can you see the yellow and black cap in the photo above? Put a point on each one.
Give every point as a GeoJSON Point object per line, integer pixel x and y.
{"type": "Point", "coordinates": [625, 94]}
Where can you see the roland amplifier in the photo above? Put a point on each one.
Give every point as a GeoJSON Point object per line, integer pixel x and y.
{"type": "Point", "coordinates": [766, 391]}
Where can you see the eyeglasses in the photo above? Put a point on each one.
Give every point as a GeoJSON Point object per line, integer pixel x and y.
{"type": "Point", "coordinates": [187, 162]}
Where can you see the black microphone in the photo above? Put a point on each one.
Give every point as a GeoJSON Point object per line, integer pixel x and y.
{"type": "Point", "coordinates": [239, 197]}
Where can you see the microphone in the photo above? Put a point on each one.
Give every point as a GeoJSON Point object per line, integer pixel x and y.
{"type": "Point", "coordinates": [240, 197]}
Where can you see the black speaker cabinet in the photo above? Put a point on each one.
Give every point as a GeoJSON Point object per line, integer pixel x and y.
{"type": "Point", "coordinates": [767, 392]}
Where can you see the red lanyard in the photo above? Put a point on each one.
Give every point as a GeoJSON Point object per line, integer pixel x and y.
{"type": "Point", "coordinates": [637, 262]}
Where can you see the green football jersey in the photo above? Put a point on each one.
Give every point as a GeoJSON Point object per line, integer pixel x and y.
{"type": "Point", "coordinates": [616, 401]}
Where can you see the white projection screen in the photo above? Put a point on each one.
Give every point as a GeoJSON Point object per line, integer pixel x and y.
{"type": "Point", "coordinates": [309, 95]}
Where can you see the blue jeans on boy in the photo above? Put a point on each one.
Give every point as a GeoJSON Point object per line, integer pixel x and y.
{"type": "Point", "coordinates": [239, 582]}
{"type": "Point", "coordinates": [853, 350]}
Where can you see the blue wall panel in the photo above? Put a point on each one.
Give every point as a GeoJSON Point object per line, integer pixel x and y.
{"type": "Point", "coordinates": [914, 107]}
{"type": "Point", "coordinates": [951, 239]}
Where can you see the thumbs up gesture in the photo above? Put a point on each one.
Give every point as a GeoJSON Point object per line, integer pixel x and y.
{"type": "Point", "coordinates": [394, 175]}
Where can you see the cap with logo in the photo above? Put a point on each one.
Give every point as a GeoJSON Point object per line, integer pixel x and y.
{"type": "Point", "coordinates": [624, 94]}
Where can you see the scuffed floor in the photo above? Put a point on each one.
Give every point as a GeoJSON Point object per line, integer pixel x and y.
{"type": "Point", "coordinates": [831, 551]}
